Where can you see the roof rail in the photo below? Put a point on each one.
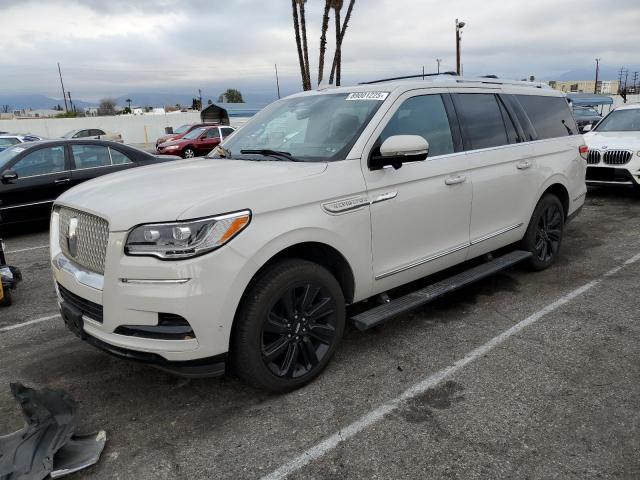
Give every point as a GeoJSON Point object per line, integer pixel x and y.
{"type": "Point", "coordinates": [408, 77]}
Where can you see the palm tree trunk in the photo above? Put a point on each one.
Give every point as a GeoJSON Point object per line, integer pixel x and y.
{"type": "Point", "coordinates": [305, 49]}
{"type": "Point", "coordinates": [296, 27]}
{"type": "Point", "coordinates": [323, 40]}
{"type": "Point", "coordinates": [336, 67]}
{"type": "Point", "coordinates": [336, 8]}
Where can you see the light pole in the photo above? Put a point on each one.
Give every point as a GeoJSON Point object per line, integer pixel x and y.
{"type": "Point", "coordinates": [459, 27]}
{"type": "Point", "coordinates": [595, 88]}
{"type": "Point", "coordinates": [439, 60]}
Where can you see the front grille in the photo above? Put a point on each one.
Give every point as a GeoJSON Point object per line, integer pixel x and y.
{"type": "Point", "coordinates": [88, 308]}
{"type": "Point", "coordinates": [92, 235]}
{"type": "Point", "coordinates": [617, 157]}
{"type": "Point", "coordinates": [593, 157]}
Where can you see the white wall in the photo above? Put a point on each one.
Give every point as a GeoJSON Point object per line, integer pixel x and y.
{"type": "Point", "coordinates": [134, 128]}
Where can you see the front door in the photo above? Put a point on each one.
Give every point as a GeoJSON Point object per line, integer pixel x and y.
{"type": "Point", "coordinates": [208, 141]}
{"type": "Point", "coordinates": [419, 213]}
{"type": "Point", "coordinates": [43, 175]}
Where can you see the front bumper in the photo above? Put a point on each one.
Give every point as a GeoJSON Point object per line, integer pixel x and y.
{"type": "Point", "coordinates": [616, 176]}
{"type": "Point", "coordinates": [137, 291]}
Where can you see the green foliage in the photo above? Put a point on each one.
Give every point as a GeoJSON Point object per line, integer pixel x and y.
{"type": "Point", "coordinates": [231, 96]}
{"type": "Point", "coordinates": [67, 115]}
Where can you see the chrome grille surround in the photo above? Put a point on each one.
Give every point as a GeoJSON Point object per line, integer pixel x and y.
{"type": "Point", "coordinates": [617, 157]}
{"type": "Point", "coordinates": [593, 157]}
{"type": "Point", "coordinates": [92, 238]}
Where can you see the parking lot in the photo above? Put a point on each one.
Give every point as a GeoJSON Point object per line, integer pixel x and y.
{"type": "Point", "coordinates": [523, 375]}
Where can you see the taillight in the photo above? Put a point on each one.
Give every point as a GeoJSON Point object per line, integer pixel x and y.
{"type": "Point", "coordinates": [584, 151]}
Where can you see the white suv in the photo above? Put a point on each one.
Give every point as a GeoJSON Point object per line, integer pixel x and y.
{"type": "Point", "coordinates": [323, 199]}
{"type": "Point", "coordinates": [614, 148]}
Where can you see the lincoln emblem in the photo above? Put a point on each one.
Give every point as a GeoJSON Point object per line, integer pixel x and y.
{"type": "Point", "coordinates": [72, 237]}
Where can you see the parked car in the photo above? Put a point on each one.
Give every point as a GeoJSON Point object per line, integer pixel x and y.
{"type": "Point", "coordinates": [94, 133]}
{"type": "Point", "coordinates": [182, 131]}
{"type": "Point", "coordinates": [323, 199]}
{"type": "Point", "coordinates": [7, 141]}
{"type": "Point", "coordinates": [586, 116]}
{"type": "Point", "coordinates": [197, 142]}
{"type": "Point", "coordinates": [32, 175]}
{"type": "Point", "coordinates": [614, 148]}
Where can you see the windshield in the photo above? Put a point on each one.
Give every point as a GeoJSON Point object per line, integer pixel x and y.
{"type": "Point", "coordinates": [195, 133]}
{"type": "Point", "coordinates": [315, 128]}
{"type": "Point", "coordinates": [585, 112]}
{"type": "Point", "coordinates": [182, 129]}
{"type": "Point", "coordinates": [621, 121]}
{"type": "Point", "coordinates": [7, 142]}
{"type": "Point", "coordinates": [7, 155]}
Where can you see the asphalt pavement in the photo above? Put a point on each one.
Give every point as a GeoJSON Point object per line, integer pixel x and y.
{"type": "Point", "coordinates": [522, 375]}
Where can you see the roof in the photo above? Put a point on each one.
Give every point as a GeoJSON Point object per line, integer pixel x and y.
{"type": "Point", "coordinates": [214, 113]}
{"type": "Point", "coordinates": [589, 99]}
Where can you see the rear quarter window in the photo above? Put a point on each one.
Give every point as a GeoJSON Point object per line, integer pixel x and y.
{"type": "Point", "coordinates": [551, 116]}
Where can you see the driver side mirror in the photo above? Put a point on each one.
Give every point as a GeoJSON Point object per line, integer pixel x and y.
{"type": "Point", "coordinates": [587, 128]}
{"type": "Point", "coordinates": [399, 149]}
{"type": "Point", "coordinates": [9, 176]}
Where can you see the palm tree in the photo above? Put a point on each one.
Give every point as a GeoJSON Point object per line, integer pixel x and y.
{"type": "Point", "coordinates": [305, 49]}
{"type": "Point", "coordinates": [128, 100]}
{"type": "Point", "coordinates": [340, 31]}
{"type": "Point", "coordinates": [301, 58]}
{"type": "Point", "coordinates": [323, 39]}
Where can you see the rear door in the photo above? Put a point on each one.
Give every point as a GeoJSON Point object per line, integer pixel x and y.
{"type": "Point", "coordinates": [89, 160]}
{"type": "Point", "coordinates": [43, 174]}
{"type": "Point", "coordinates": [502, 170]}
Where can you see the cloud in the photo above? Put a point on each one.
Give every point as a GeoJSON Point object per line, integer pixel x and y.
{"type": "Point", "coordinates": [119, 46]}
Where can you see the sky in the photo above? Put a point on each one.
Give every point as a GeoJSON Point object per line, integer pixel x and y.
{"type": "Point", "coordinates": [115, 47]}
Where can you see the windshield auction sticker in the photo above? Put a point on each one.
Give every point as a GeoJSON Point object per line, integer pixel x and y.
{"type": "Point", "coordinates": [367, 96]}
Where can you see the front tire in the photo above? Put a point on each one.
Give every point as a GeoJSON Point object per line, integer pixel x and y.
{"type": "Point", "coordinates": [7, 300]}
{"type": "Point", "coordinates": [188, 152]}
{"type": "Point", "coordinates": [544, 234]}
{"type": "Point", "coordinates": [288, 327]}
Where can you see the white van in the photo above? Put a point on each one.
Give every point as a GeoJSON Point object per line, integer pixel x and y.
{"type": "Point", "coordinates": [323, 199]}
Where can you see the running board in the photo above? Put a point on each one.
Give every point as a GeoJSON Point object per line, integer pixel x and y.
{"type": "Point", "coordinates": [382, 313]}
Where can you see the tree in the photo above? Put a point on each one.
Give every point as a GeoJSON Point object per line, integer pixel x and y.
{"type": "Point", "coordinates": [231, 96]}
{"type": "Point", "coordinates": [336, 67]}
{"type": "Point", "coordinates": [302, 57]}
{"type": "Point", "coordinates": [6, 108]}
{"type": "Point", "coordinates": [196, 104]}
{"type": "Point", "coordinates": [323, 39]}
{"type": "Point", "coordinates": [107, 106]}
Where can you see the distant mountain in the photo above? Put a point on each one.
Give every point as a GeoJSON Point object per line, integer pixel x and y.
{"type": "Point", "coordinates": [19, 102]}
{"type": "Point", "coordinates": [606, 73]}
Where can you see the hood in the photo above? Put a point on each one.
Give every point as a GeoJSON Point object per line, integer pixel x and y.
{"type": "Point", "coordinates": [184, 190]}
{"type": "Point", "coordinates": [613, 140]}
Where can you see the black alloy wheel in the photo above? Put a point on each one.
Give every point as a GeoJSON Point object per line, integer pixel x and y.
{"type": "Point", "coordinates": [299, 330]}
{"type": "Point", "coordinates": [543, 237]}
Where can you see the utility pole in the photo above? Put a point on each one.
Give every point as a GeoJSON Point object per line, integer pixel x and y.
{"type": "Point", "coordinates": [277, 80]}
{"type": "Point", "coordinates": [635, 82]}
{"type": "Point", "coordinates": [595, 87]}
{"type": "Point", "coordinates": [423, 72]}
{"type": "Point", "coordinates": [64, 97]}
{"type": "Point", "coordinates": [459, 27]}
{"type": "Point", "coordinates": [70, 102]}
{"type": "Point", "coordinates": [438, 60]}
{"type": "Point", "coordinates": [620, 79]}
{"type": "Point", "coordinates": [200, 98]}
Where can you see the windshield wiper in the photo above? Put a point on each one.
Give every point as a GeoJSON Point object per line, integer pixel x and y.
{"type": "Point", "coordinates": [272, 153]}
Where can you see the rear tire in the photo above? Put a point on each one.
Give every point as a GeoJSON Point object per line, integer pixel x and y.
{"type": "Point", "coordinates": [288, 326]}
{"type": "Point", "coordinates": [7, 300]}
{"type": "Point", "coordinates": [544, 233]}
{"type": "Point", "coordinates": [188, 152]}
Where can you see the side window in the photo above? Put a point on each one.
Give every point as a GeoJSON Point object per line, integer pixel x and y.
{"type": "Point", "coordinates": [94, 133]}
{"type": "Point", "coordinates": [226, 131]}
{"type": "Point", "coordinates": [512, 133]}
{"type": "Point", "coordinates": [118, 158]}
{"type": "Point", "coordinates": [212, 133]}
{"type": "Point", "coordinates": [481, 120]}
{"type": "Point", "coordinates": [40, 162]}
{"type": "Point", "coordinates": [90, 156]}
{"type": "Point", "coordinates": [550, 116]}
{"type": "Point", "coordinates": [81, 134]}
{"type": "Point", "coordinates": [425, 116]}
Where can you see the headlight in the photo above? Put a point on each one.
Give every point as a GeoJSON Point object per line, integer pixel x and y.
{"type": "Point", "coordinates": [179, 240]}
{"type": "Point", "coordinates": [172, 147]}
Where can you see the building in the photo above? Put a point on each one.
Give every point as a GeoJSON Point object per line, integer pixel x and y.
{"type": "Point", "coordinates": [586, 86]}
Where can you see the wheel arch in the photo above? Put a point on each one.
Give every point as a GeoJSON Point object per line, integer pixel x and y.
{"type": "Point", "coordinates": [557, 186]}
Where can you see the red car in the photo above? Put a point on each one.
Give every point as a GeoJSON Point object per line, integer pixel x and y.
{"type": "Point", "coordinates": [181, 131]}
{"type": "Point", "coordinates": [197, 142]}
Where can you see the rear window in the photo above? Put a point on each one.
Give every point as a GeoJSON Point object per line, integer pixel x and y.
{"type": "Point", "coordinates": [550, 116]}
{"type": "Point", "coordinates": [481, 120]}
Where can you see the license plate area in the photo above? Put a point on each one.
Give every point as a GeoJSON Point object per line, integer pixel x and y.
{"type": "Point", "coordinates": [72, 318]}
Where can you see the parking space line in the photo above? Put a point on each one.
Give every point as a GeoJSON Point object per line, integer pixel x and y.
{"type": "Point", "coordinates": [27, 249]}
{"type": "Point", "coordinates": [421, 387]}
{"type": "Point", "coordinates": [30, 322]}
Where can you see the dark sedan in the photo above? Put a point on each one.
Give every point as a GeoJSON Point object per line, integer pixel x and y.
{"type": "Point", "coordinates": [33, 175]}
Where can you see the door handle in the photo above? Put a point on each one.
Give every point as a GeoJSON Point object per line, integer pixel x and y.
{"type": "Point", "coordinates": [523, 165]}
{"type": "Point", "coordinates": [61, 181]}
{"type": "Point", "coordinates": [455, 180]}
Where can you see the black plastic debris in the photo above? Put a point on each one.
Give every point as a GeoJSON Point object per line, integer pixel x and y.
{"type": "Point", "coordinates": [47, 445]}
